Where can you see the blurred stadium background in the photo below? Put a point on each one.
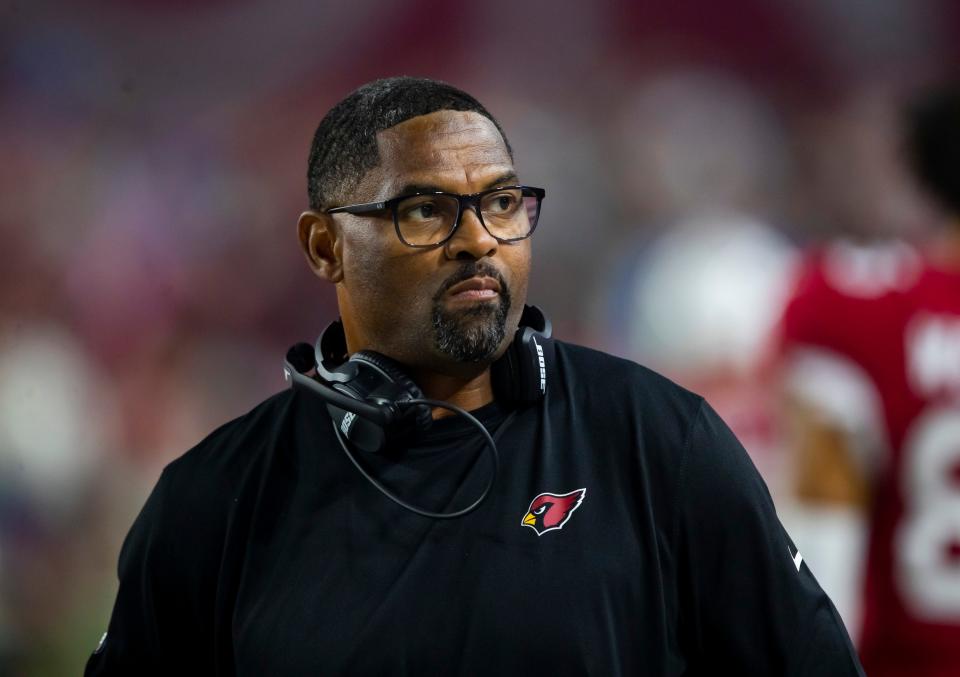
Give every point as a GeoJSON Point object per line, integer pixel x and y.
{"type": "Point", "coordinates": [152, 170]}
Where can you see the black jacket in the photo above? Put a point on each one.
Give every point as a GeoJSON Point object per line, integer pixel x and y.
{"type": "Point", "coordinates": [262, 551]}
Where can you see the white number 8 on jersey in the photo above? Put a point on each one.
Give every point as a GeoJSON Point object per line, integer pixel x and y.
{"type": "Point", "coordinates": [928, 563]}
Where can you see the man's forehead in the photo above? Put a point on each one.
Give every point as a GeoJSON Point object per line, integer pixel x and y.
{"type": "Point", "coordinates": [452, 147]}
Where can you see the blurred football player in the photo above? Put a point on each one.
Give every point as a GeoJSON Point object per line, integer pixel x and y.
{"type": "Point", "coordinates": [872, 339]}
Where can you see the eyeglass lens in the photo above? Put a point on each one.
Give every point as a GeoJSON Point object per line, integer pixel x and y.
{"type": "Point", "coordinates": [428, 219]}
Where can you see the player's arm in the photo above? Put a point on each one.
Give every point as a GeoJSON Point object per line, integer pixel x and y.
{"type": "Point", "coordinates": [833, 434]}
{"type": "Point", "coordinates": [825, 469]}
{"type": "Point", "coordinates": [834, 428]}
{"type": "Point", "coordinates": [749, 604]}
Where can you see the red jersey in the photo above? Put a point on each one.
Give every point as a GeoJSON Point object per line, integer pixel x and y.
{"type": "Point", "coordinates": [887, 325]}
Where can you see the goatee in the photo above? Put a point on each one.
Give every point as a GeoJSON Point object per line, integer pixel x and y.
{"type": "Point", "coordinates": [475, 333]}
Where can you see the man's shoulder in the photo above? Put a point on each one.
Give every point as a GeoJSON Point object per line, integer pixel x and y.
{"type": "Point", "coordinates": [595, 369]}
{"type": "Point", "coordinates": [617, 386]}
{"type": "Point", "coordinates": [227, 454]}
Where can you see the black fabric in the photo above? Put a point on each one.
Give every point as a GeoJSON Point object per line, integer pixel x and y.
{"type": "Point", "coordinates": [262, 551]}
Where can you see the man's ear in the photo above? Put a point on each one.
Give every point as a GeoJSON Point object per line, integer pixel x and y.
{"type": "Point", "coordinates": [322, 245]}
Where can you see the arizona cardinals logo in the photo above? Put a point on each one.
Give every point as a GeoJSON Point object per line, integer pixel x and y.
{"type": "Point", "coordinates": [551, 511]}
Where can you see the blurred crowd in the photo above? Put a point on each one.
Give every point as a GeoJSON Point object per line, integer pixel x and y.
{"type": "Point", "coordinates": [153, 169]}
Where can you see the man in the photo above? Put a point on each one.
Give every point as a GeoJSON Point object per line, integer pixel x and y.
{"type": "Point", "coordinates": [872, 339]}
{"type": "Point", "coordinates": [627, 532]}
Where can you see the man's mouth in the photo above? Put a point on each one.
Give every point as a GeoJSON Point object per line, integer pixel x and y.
{"type": "Point", "coordinates": [477, 288]}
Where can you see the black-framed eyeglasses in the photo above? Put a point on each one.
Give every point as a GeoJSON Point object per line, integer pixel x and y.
{"type": "Point", "coordinates": [430, 218]}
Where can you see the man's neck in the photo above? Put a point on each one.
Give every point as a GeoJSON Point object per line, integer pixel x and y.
{"type": "Point", "coordinates": [466, 392]}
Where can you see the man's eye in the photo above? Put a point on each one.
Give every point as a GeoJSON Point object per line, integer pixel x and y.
{"type": "Point", "coordinates": [502, 203]}
{"type": "Point", "coordinates": [425, 211]}
{"type": "Point", "coordinates": [422, 211]}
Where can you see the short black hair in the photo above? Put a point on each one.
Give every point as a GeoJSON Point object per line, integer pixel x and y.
{"type": "Point", "coordinates": [345, 143]}
{"type": "Point", "coordinates": [933, 143]}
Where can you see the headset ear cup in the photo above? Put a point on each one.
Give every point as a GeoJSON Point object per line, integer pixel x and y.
{"type": "Point", "coordinates": [404, 387]}
{"type": "Point", "coordinates": [531, 365]}
{"type": "Point", "coordinates": [513, 375]}
{"type": "Point", "coordinates": [362, 433]}
{"type": "Point", "coordinates": [520, 375]}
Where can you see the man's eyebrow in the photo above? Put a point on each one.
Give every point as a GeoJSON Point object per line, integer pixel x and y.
{"type": "Point", "coordinates": [504, 178]}
{"type": "Point", "coordinates": [432, 188]}
{"type": "Point", "coordinates": [420, 188]}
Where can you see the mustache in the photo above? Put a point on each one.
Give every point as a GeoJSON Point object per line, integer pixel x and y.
{"type": "Point", "coordinates": [473, 269]}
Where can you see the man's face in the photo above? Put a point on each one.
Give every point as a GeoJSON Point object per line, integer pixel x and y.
{"type": "Point", "coordinates": [436, 308]}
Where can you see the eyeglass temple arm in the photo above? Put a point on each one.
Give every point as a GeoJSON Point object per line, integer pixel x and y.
{"type": "Point", "coordinates": [360, 209]}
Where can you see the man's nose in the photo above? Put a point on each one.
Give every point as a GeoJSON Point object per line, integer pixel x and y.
{"type": "Point", "coordinates": [471, 239]}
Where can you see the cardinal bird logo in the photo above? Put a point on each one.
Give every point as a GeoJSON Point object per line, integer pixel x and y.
{"type": "Point", "coordinates": [551, 511]}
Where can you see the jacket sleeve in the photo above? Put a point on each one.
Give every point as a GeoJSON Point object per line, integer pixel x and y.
{"type": "Point", "coordinates": [131, 644]}
{"type": "Point", "coordinates": [161, 622]}
{"type": "Point", "coordinates": [749, 603]}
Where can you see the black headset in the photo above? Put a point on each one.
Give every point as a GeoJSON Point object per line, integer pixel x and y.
{"type": "Point", "coordinates": [374, 405]}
